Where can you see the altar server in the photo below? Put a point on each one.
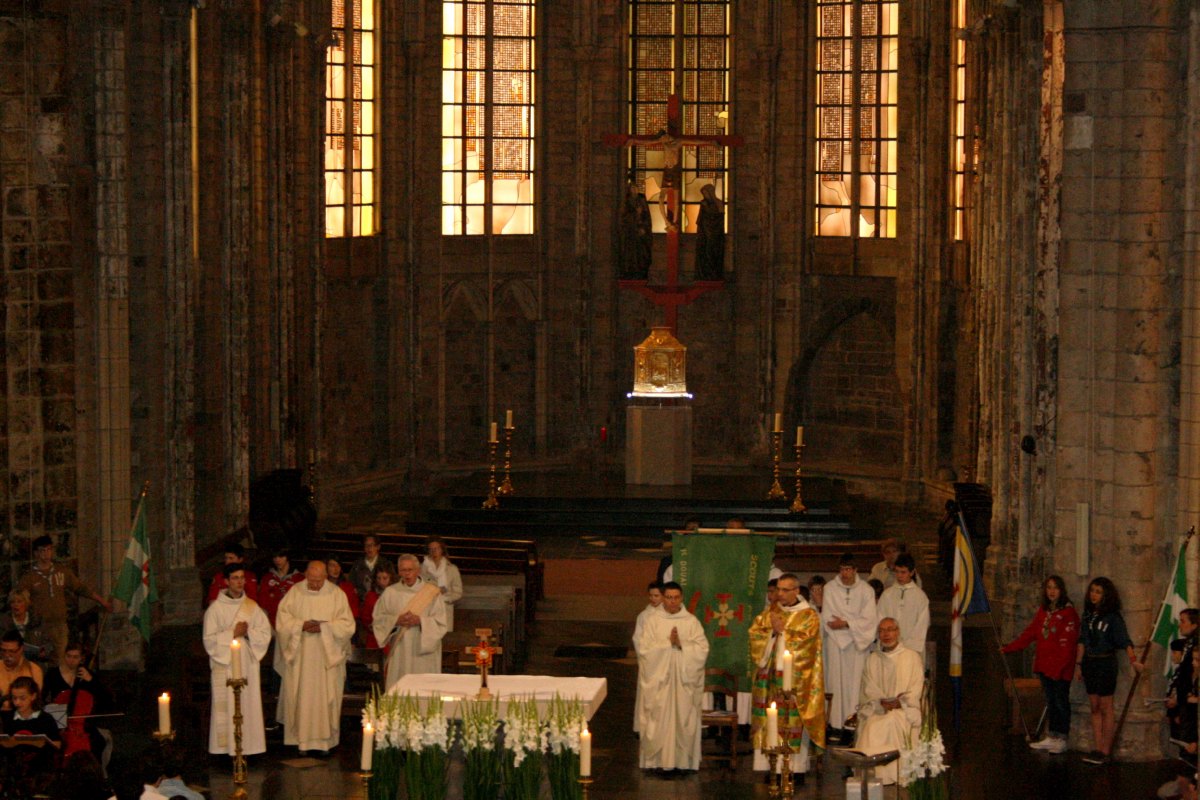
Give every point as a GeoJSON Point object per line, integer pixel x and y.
{"type": "Point", "coordinates": [234, 615]}
{"type": "Point", "coordinates": [848, 621]}
{"type": "Point", "coordinates": [672, 650]}
{"type": "Point", "coordinates": [907, 603]}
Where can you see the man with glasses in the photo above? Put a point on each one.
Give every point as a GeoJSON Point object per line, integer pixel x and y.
{"type": "Point", "coordinates": [13, 665]}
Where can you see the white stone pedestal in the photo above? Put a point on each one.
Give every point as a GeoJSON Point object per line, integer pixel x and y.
{"type": "Point", "coordinates": [658, 444]}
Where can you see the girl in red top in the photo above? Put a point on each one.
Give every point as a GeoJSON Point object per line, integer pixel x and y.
{"type": "Point", "coordinates": [1055, 628]}
{"type": "Point", "coordinates": [385, 576]}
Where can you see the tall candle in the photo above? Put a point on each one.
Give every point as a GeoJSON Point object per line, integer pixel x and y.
{"type": "Point", "coordinates": [787, 670]}
{"type": "Point", "coordinates": [235, 659]}
{"type": "Point", "coordinates": [778, 422]}
{"type": "Point", "coordinates": [368, 747]}
{"type": "Point", "coordinates": [492, 433]}
{"type": "Point", "coordinates": [164, 713]}
{"type": "Point", "coordinates": [780, 649]}
{"type": "Point", "coordinates": [585, 754]}
{"type": "Point", "coordinates": [508, 418]}
{"type": "Point", "coordinates": [799, 435]}
{"type": "Point", "coordinates": [772, 726]}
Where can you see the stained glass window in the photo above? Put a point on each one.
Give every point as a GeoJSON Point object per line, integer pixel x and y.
{"type": "Point", "coordinates": [856, 117]}
{"type": "Point", "coordinates": [488, 123]}
{"type": "Point", "coordinates": [350, 189]}
{"type": "Point", "coordinates": [680, 47]}
{"type": "Point", "coordinates": [959, 121]}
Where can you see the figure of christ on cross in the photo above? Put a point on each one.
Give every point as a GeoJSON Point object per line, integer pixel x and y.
{"type": "Point", "coordinates": [484, 652]}
{"type": "Point", "coordinates": [671, 141]}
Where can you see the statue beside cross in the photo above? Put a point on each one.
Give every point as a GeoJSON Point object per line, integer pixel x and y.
{"type": "Point", "coordinates": [484, 652]}
{"type": "Point", "coordinates": [671, 141]}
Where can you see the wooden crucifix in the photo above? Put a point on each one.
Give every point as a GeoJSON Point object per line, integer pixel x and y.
{"type": "Point", "coordinates": [484, 652]}
{"type": "Point", "coordinates": [671, 141]}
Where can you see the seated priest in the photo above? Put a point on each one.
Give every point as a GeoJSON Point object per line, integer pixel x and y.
{"type": "Point", "coordinates": [889, 708]}
{"type": "Point", "coordinates": [672, 650]}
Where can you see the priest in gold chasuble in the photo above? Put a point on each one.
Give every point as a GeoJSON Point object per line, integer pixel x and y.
{"type": "Point", "coordinates": [790, 625]}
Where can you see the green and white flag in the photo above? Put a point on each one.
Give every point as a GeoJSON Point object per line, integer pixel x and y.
{"type": "Point", "coordinates": [135, 585]}
{"type": "Point", "coordinates": [1176, 600]}
{"type": "Point", "coordinates": [724, 580]}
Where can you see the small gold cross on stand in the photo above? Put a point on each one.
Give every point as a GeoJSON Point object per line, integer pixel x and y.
{"type": "Point", "coordinates": [483, 652]}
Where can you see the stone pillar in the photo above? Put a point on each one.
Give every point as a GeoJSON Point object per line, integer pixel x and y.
{"type": "Point", "coordinates": [1189, 379]}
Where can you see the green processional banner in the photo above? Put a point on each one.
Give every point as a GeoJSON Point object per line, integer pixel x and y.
{"type": "Point", "coordinates": [724, 580]}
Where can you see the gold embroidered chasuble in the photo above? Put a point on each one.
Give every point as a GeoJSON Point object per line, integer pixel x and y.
{"type": "Point", "coordinates": [802, 637]}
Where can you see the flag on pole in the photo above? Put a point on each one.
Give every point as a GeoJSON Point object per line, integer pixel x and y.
{"type": "Point", "coordinates": [724, 582]}
{"type": "Point", "coordinates": [969, 598]}
{"type": "Point", "coordinates": [1176, 600]}
{"type": "Point", "coordinates": [135, 584]}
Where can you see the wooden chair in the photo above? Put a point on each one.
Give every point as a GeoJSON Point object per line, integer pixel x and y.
{"type": "Point", "coordinates": [364, 672]}
{"type": "Point", "coordinates": [722, 685]}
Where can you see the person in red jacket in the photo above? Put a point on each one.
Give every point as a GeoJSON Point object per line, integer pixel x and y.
{"type": "Point", "coordinates": [333, 569]}
{"type": "Point", "coordinates": [234, 554]}
{"type": "Point", "coordinates": [276, 583]}
{"type": "Point", "coordinates": [1055, 629]}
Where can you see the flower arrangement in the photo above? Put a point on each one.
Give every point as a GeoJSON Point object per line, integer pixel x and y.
{"type": "Point", "coordinates": [382, 712]}
{"type": "Point", "coordinates": [409, 740]}
{"type": "Point", "coordinates": [922, 765]}
{"type": "Point", "coordinates": [481, 750]}
{"type": "Point", "coordinates": [564, 723]}
{"type": "Point", "coordinates": [525, 741]}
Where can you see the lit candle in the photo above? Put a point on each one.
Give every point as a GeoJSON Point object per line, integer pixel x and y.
{"type": "Point", "coordinates": [787, 670]}
{"type": "Point", "coordinates": [492, 433]}
{"type": "Point", "coordinates": [799, 435]}
{"type": "Point", "coordinates": [778, 422]}
{"type": "Point", "coordinates": [772, 726]}
{"type": "Point", "coordinates": [508, 418]}
{"type": "Point", "coordinates": [368, 748]}
{"type": "Point", "coordinates": [164, 713]}
{"type": "Point", "coordinates": [235, 659]}
{"type": "Point", "coordinates": [585, 754]}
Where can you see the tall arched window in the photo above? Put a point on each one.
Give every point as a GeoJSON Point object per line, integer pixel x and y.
{"type": "Point", "coordinates": [679, 47]}
{"type": "Point", "coordinates": [958, 120]}
{"type": "Point", "coordinates": [488, 124]}
{"type": "Point", "coordinates": [350, 121]}
{"type": "Point", "coordinates": [856, 117]}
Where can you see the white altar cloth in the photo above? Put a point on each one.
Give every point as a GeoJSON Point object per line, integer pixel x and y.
{"type": "Point", "coordinates": [454, 687]}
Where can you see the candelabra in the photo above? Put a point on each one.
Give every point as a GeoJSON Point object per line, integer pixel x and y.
{"type": "Point", "coordinates": [506, 487]}
{"type": "Point", "coordinates": [798, 506]}
{"type": "Point", "coordinates": [780, 783]}
{"type": "Point", "coordinates": [776, 492]}
{"type": "Point", "coordinates": [491, 501]}
{"type": "Point", "coordinates": [239, 760]}
{"type": "Point", "coordinates": [585, 783]}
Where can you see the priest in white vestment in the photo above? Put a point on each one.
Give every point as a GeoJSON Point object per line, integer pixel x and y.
{"type": "Point", "coordinates": [907, 603]}
{"type": "Point", "coordinates": [314, 626]}
{"type": "Point", "coordinates": [848, 620]}
{"type": "Point", "coordinates": [231, 616]}
{"type": "Point", "coordinates": [672, 651]}
{"type": "Point", "coordinates": [654, 600]}
{"type": "Point", "coordinates": [889, 711]}
{"type": "Point", "coordinates": [409, 621]}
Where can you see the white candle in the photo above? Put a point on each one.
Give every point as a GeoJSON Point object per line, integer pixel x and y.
{"type": "Point", "coordinates": [799, 435]}
{"type": "Point", "coordinates": [235, 659]}
{"type": "Point", "coordinates": [164, 713]}
{"type": "Point", "coordinates": [780, 649]}
{"type": "Point", "coordinates": [787, 669]}
{"type": "Point", "coordinates": [508, 418]}
{"type": "Point", "coordinates": [585, 754]}
{"type": "Point", "coordinates": [778, 422]}
{"type": "Point", "coordinates": [772, 726]}
{"type": "Point", "coordinates": [492, 433]}
{"type": "Point", "coordinates": [368, 748]}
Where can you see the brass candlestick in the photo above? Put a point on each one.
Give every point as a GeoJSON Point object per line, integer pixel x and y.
{"type": "Point", "coordinates": [506, 487]}
{"type": "Point", "coordinates": [584, 784]}
{"type": "Point", "coordinates": [366, 779]}
{"type": "Point", "coordinates": [776, 492]}
{"type": "Point", "coordinates": [780, 784]}
{"type": "Point", "coordinates": [491, 501]}
{"type": "Point", "coordinates": [798, 506]}
{"type": "Point", "coordinates": [239, 760]}
{"type": "Point", "coordinates": [161, 737]}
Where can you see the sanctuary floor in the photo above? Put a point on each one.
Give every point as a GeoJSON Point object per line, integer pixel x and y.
{"type": "Point", "coordinates": [589, 602]}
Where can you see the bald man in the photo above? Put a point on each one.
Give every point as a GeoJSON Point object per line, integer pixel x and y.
{"type": "Point", "coordinates": [314, 626]}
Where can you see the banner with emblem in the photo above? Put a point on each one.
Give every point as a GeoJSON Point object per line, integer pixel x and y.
{"type": "Point", "coordinates": [724, 580]}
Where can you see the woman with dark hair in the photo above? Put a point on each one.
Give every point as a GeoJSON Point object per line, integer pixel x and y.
{"type": "Point", "coordinates": [1102, 634]}
{"type": "Point", "coordinates": [1055, 629]}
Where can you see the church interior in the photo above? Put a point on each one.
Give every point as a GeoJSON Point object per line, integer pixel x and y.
{"type": "Point", "coordinates": [389, 253]}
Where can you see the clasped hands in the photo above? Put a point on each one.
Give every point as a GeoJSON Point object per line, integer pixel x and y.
{"type": "Point", "coordinates": [408, 620]}
{"type": "Point", "coordinates": [312, 626]}
{"type": "Point", "coordinates": [240, 630]}
{"type": "Point", "coordinates": [675, 639]}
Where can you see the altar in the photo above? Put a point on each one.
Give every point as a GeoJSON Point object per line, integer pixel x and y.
{"type": "Point", "coordinates": [453, 687]}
